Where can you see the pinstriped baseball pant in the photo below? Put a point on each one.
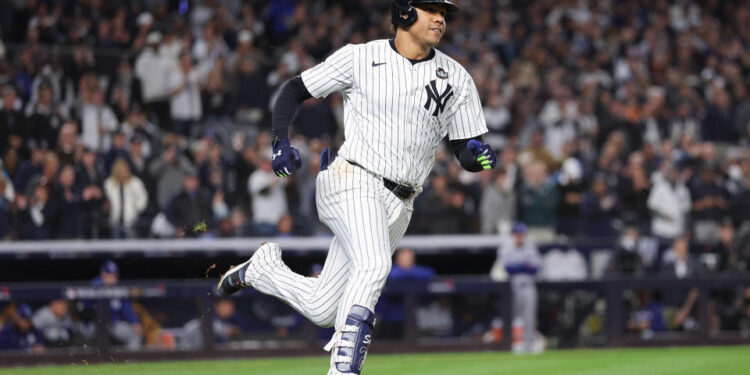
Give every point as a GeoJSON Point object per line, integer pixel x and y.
{"type": "Point", "coordinates": [368, 221]}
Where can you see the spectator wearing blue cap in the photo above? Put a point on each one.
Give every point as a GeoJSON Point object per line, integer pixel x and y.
{"type": "Point", "coordinates": [518, 256]}
{"type": "Point", "coordinates": [19, 333]}
{"type": "Point", "coordinates": [390, 308]}
{"type": "Point", "coordinates": [124, 325]}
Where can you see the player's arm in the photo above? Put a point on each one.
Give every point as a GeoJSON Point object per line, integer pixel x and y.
{"type": "Point", "coordinates": [285, 157]}
{"type": "Point", "coordinates": [465, 131]}
{"type": "Point", "coordinates": [333, 74]}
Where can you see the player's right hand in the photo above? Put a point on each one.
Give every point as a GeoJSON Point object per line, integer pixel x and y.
{"type": "Point", "coordinates": [285, 159]}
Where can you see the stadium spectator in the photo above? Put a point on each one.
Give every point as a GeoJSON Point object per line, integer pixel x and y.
{"type": "Point", "coordinates": [214, 170]}
{"type": "Point", "coordinates": [90, 176]}
{"type": "Point", "coordinates": [720, 256]}
{"type": "Point", "coordinates": [44, 117]}
{"type": "Point", "coordinates": [537, 152]}
{"type": "Point", "coordinates": [498, 205]}
{"type": "Point", "coordinates": [669, 202]}
{"type": "Point", "coordinates": [66, 144]}
{"type": "Point", "coordinates": [19, 333]}
{"type": "Point", "coordinates": [48, 175]}
{"type": "Point", "coordinates": [405, 270]}
{"type": "Point", "coordinates": [599, 209]}
{"type": "Point", "coordinates": [740, 199]}
{"type": "Point", "coordinates": [620, 111]}
{"type": "Point", "coordinates": [28, 169]}
{"type": "Point", "coordinates": [168, 171]}
{"type": "Point", "coordinates": [37, 213]}
{"type": "Point", "coordinates": [124, 325]}
{"type": "Point", "coordinates": [677, 262]}
{"type": "Point", "coordinates": [55, 323]}
{"type": "Point", "coordinates": [268, 197]}
{"type": "Point", "coordinates": [68, 195]}
{"type": "Point", "coordinates": [127, 198]}
{"type": "Point", "coordinates": [647, 316]}
{"type": "Point", "coordinates": [97, 119]}
{"type": "Point", "coordinates": [629, 259]}
{"type": "Point", "coordinates": [184, 84]}
{"type": "Point", "coordinates": [633, 189]}
{"type": "Point", "coordinates": [498, 118]}
{"type": "Point", "coordinates": [137, 126]}
{"type": "Point", "coordinates": [152, 67]}
{"type": "Point", "coordinates": [443, 207]}
{"type": "Point", "coordinates": [709, 206]}
{"type": "Point", "coordinates": [118, 150]}
{"type": "Point", "coordinates": [227, 324]}
{"type": "Point", "coordinates": [538, 200]}
{"type": "Point", "coordinates": [6, 208]}
{"type": "Point", "coordinates": [216, 97]}
{"type": "Point", "coordinates": [571, 187]}
{"type": "Point", "coordinates": [250, 91]}
{"type": "Point", "coordinates": [137, 160]}
{"type": "Point", "coordinates": [14, 132]}
{"type": "Point", "coordinates": [191, 210]}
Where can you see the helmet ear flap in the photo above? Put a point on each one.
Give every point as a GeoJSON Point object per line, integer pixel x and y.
{"type": "Point", "coordinates": [401, 8]}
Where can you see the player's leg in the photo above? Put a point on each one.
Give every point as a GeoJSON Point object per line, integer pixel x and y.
{"type": "Point", "coordinates": [529, 318]}
{"type": "Point", "coordinates": [315, 298]}
{"type": "Point", "coordinates": [518, 304]}
{"type": "Point", "coordinates": [350, 204]}
{"type": "Point", "coordinates": [374, 228]}
{"type": "Point", "coordinates": [370, 224]}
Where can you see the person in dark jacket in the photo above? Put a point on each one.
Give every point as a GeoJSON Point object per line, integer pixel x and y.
{"type": "Point", "coordinates": [19, 333]}
{"type": "Point", "coordinates": [124, 325]}
{"type": "Point", "coordinates": [44, 117]}
{"type": "Point", "coordinates": [90, 176]}
{"type": "Point", "coordinates": [68, 197]}
{"type": "Point", "coordinates": [14, 133]}
{"type": "Point", "coordinates": [599, 208]}
{"type": "Point", "coordinates": [190, 208]}
{"type": "Point", "coordinates": [37, 214]}
{"type": "Point", "coordinates": [391, 309]}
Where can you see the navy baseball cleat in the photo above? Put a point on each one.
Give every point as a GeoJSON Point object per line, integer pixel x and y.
{"type": "Point", "coordinates": [233, 280]}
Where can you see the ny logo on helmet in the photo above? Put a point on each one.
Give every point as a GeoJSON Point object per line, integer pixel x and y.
{"type": "Point", "coordinates": [439, 99]}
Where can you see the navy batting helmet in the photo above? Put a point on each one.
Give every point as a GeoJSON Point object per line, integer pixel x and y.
{"type": "Point", "coordinates": [401, 8]}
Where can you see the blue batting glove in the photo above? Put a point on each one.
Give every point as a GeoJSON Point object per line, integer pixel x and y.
{"type": "Point", "coordinates": [484, 154]}
{"type": "Point", "coordinates": [285, 159]}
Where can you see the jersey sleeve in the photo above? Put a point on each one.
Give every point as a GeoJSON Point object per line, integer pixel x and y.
{"type": "Point", "coordinates": [467, 120]}
{"type": "Point", "coordinates": [333, 74]}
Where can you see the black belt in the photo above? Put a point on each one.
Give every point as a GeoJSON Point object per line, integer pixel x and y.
{"type": "Point", "coordinates": [401, 191]}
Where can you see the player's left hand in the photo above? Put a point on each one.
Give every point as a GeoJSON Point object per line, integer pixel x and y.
{"type": "Point", "coordinates": [483, 153]}
{"type": "Point", "coordinates": [285, 158]}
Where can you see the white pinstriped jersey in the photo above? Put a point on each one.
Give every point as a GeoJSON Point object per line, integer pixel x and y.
{"type": "Point", "coordinates": [396, 112]}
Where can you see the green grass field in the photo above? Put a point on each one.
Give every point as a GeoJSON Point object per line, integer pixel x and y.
{"type": "Point", "coordinates": [662, 361]}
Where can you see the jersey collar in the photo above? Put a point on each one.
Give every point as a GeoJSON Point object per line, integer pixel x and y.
{"type": "Point", "coordinates": [429, 56]}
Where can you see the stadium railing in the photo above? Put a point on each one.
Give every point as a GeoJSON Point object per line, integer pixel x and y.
{"type": "Point", "coordinates": [478, 297]}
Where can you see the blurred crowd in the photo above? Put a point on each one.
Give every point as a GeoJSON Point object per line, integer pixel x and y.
{"type": "Point", "coordinates": [135, 323]}
{"type": "Point", "coordinates": [150, 118]}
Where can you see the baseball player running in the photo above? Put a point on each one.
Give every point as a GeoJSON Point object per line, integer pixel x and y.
{"type": "Point", "coordinates": [401, 98]}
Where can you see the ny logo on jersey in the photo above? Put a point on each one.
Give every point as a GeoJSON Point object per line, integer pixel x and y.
{"type": "Point", "coordinates": [439, 99]}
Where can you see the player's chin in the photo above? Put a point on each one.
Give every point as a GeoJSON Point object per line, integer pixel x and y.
{"type": "Point", "coordinates": [434, 40]}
